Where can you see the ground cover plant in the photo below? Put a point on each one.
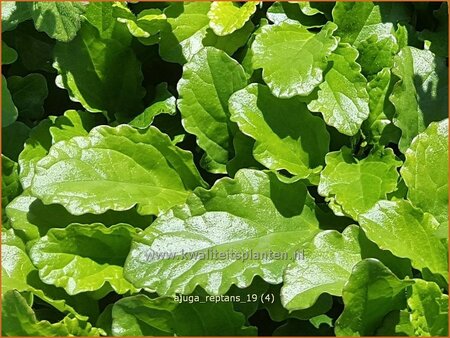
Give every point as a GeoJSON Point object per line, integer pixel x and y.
{"type": "Point", "coordinates": [224, 168]}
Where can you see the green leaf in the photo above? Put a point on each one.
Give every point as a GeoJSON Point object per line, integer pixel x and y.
{"type": "Point", "coordinates": [29, 217]}
{"type": "Point", "coordinates": [420, 96]}
{"type": "Point", "coordinates": [397, 226]}
{"type": "Point", "coordinates": [429, 309]}
{"type": "Point", "coordinates": [72, 123]}
{"type": "Point", "coordinates": [225, 17]}
{"type": "Point", "coordinates": [307, 7]}
{"type": "Point", "coordinates": [297, 143]}
{"type": "Point", "coordinates": [325, 269]}
{"type": "Point", "coordinates": [13, 13]}
{"type": "Point", "coordinates": [376, 54]}
{"type": "Point", "coordinates": [10, 183]}
{"type": "Point", "coordinates": [19, 273]}
{"type": "Point", "coordinates": [438, 37]}
{"type": "Point", "coordinates": [9, 110]}
{"type": "Point", "coordinates": [232, 42]}
{"type": "Point", "coordinates": [295, 12]}
{"type": "Point", "coordinates": [9, 55]}
{"type": "Point", "coordinates": [203, 103]}
{"type": "Point", "coordinates": [252, 214]}
{"type": "Point", "coordinates": [100, 15]}
{"type": "Point", "coordinates": [342, 98]}
{"type": "Point", "coordinates": [357, 21]}
{"type": "Point", "coordinates": [146, 27]}
{"type": "Point", "coordinates": [29, 93]}
{"type": "Point", "coordinates": [141, 316]}
{"type": "Point", "coordinates": [60, 20]}
{"type": "Point", "coordinates": [13, 139]}
{"type": "Point", "coordinates": [188, 32]}
{"type": "Point", "coordinates": [354, 186]}
{"type": "Point", "coordinates": [94, 254]}
{"type": "Point", "coordinates": [378, 127]}
{"type": "Point", "coordinates": [95, 169]}
{"type": "Point", "coordinates": [182, 38]}
{"type": "Point", "coordinates": [371, 292]}
{"type": "Point", "coordinates": [426, 171]}
{"type": "Point", "coordinates": [292, 71]}
{"type": "Point", "coordinates": [401, 267]}
{"type": "Point", "coordinates": [36, 147]}
{"type": "Point", "coordinates": [19, 319]}
{"type": "Point", "coordinates": [102, 74]}
{"type": "Point", "coordinates": [164, 103]}
{"type": "Point", "coordinates": [16, 264]}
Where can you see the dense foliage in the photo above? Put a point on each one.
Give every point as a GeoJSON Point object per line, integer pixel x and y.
{"type": "Point", "coordinates": [139, 138]}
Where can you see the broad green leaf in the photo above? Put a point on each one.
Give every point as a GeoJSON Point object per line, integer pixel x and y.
{"type": "Point", "coordinates": [378, 127]}
{"type": "Point", "coordinates": [182, 38]}
{"type": "Point", "coordinates": [13, 139]}
{"type": "Point", "coordinates": [354, 186]}
{"type": "Point", "coordinates": [10, 183]}
{"type": "Point", "coordinates": [426, 171]}
{"type": "Point", "coordinates": [294, 12]}
{"type": "Point", "coordinates": [420, 96]}
{"type": "Point", "coordinates": [342, 98]}
{"type": "Point", "coordinates": [142, 316]}
{"type": "Point", "coordinates": [9, 55]}
{"type": "Point", "coordinates": [232, 42]}
{"type": "Point", "coordinates": [100, 15]}
{"type": "Point", "coordinates": [16, 264]}
{"type": "Point", "coordinates": [29, 217]}
{"type": "Point", "coordinates": [36, 147]}
{"type": "Point", "coordinates": [115, 169]}
{"type": "Point", "coordinates": [252, 214]}
{"type": "Point", "coordinates": [13, 13]}
{"type": "Point", "coordinates": [188, 32]}
{"type": "Point", "coordinates": [18, 273]}
{"type": "Point", "coordinates": [60, 20]}
{"type": "Point", "coordinates": [102, 74]}
{"type": "Point", "coordinates": [29, 93]}
{"type": "Point", "coordinates": [19, 319]}
{"type": "Point", "coordinates": [225, 17]}
{"type": "Point", "coordinates": [146, 26]}
{"type": "Point", "coordinates": [72, 123]}
{"type": "Point", "coordinates": [297, 143]}
{"type": "Point", "coordinates": [429, 309]}
{"type": "Point", "coordinates": [329, 263]}
{"type": "Point", "coordinates": [357, 21]}
{"type": "Point", "coordinates": [164, 103]}
{"type": "Point", "coordinates": [398, 227]}
{"type": "Point", "coordinates": [439, 36]}
{"type": "Point", "coordinates": [401, 267]}
{"type": "Point", "coordinates": [203, 103]}
{"type": "Point", "coordinates": [93, 253]}
{"type": "Point", "coordinates": [9, 110]}
{"type": "Point", "coordinates": [371, 292]}
{"type": "Point", "coordinates": [376, 54]}
{"type": "Point", "coordinates": [292, 71]}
